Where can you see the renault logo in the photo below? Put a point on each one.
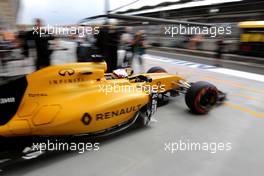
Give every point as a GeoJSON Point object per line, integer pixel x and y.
{"type": "Point", "coordinates": [66, 71]}
{"type": "Point", "coordinates": [86, 119]}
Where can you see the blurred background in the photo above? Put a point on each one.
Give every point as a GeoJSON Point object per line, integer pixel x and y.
{"type": "Point", "coordinates": [121, 38]}
{"type": "Point", "coordinates": [133, 33]}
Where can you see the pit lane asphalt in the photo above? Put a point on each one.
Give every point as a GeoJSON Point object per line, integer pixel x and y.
{"type": "Point", "coordinates": [239, 121]}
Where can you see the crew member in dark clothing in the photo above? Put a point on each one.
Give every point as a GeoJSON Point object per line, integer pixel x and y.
{"type": "Point", "coordinates": [219, 52]}
{"type": "Point", "coordinates": [42, 46]}
{"type": "Point", "coordinates": [23, 36]}
{"type": "Point", "coordinates": [107, 43]}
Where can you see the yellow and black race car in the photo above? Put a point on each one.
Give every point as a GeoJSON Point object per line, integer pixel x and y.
{"type": "Point", "coordinates": [80, 98]}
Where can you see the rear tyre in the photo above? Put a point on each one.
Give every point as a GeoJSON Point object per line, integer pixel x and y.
{"type": "Point", "coordinates": [144, 120]}
{"type": "Point", "coordinates": [201, 97]}
{"type": "Point", "coordinates": [143, 117]}
{"type": "Point", "coordinates": [156, 70]}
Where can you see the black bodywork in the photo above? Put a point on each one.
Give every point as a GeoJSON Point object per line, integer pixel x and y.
{"type": "Point", "coordinates": [11, 94]}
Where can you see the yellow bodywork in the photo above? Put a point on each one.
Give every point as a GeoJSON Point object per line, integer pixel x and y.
{"type": "Point", "coordinates": [71, 99]}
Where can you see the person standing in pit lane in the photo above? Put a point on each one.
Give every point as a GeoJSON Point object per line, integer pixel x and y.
{"type": "Point", "coordinates": [126, 41]}
{"type": "Point", "coordinates": [22, 36]}
{"type": "Point", "coordinates": [107, 44]}
{"type": "Point", "coordinates": [42, 45]}
{"type": "Point", "coordinates": [219, 52]}
{"type": "Point", "coordinates": [139, 46]}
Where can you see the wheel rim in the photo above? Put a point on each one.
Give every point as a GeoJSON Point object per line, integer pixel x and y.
{"type": "Point", "coordinates": [205, 99]}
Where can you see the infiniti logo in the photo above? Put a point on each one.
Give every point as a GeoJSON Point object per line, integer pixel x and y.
{"type": "Point", "coordinates": [66, 71]}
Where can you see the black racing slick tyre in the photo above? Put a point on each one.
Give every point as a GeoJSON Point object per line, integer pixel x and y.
{"type": "Point", "coordinates": [156, 70]}
{"type": "Point", "coordinates": [201, 97]}
{"type": "Point", "coordinates": [148, 110]}
{"type": "Point", "coordinates": [143, 120]}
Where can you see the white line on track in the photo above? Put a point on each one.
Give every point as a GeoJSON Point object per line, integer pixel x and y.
{"type": "Point", "coordinates": [241, 74]}
{"type": "Point", "coordinates": [236, 73]}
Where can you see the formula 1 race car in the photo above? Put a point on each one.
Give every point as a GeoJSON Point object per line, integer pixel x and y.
{"type": "Point", "coordinates": [80, 98]}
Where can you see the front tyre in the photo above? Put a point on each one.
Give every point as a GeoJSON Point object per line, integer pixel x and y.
{"type": "Point", "coordinates": [201, 97]}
